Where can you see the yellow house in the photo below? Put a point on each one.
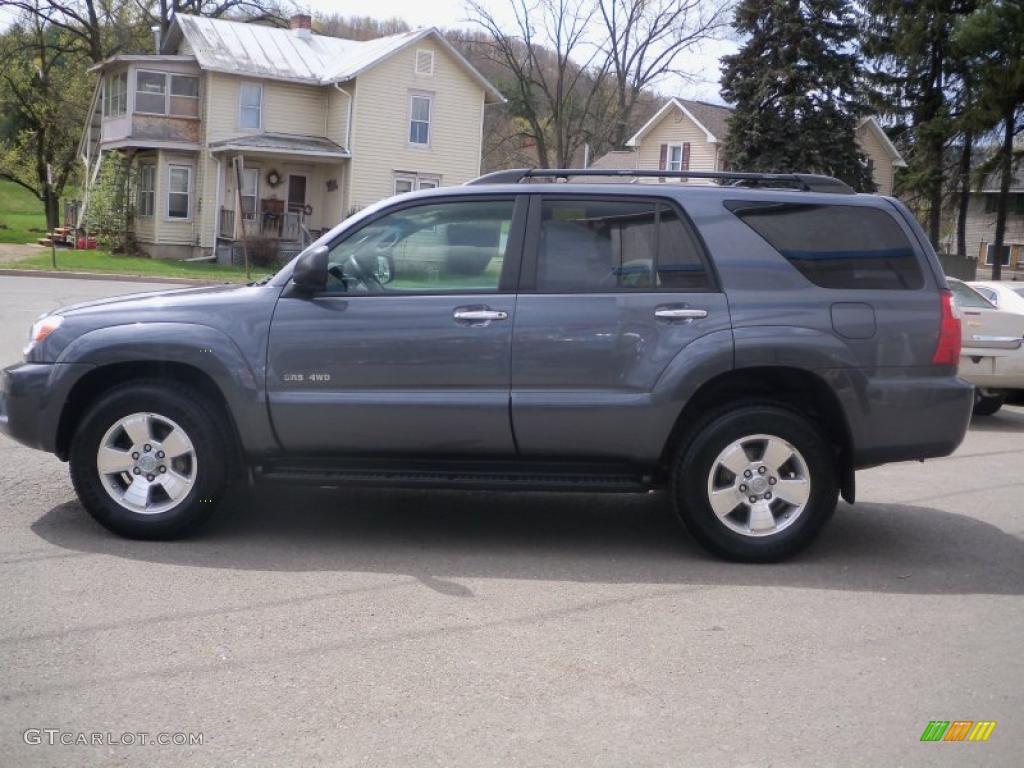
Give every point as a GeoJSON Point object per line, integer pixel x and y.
{"type": "Point", "coordinates": [242, 130]}
{"type": "Point", "coordinates": [687, 135]}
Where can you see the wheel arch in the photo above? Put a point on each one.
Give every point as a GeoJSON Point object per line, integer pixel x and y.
{"type": "Point", "coordinates": [101, 379]}
{"type": "Point", "coordinates": [799, 389]}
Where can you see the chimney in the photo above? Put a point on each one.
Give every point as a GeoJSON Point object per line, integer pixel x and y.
{"type": "Point", "coordinates": [302, 25]}
{"type": "Point", "coordinates": [155, 29]}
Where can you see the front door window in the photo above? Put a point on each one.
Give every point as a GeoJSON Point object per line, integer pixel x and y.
{"type": "Point", "coordinates": [436, 248]}
{"type": "Point", "coordinates": [296, 193]}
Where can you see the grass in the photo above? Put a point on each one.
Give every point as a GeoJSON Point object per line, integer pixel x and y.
{"type": "Point", "coordinates": [20, 212]}
{"type": "Point", "coordinates": [101, 261]}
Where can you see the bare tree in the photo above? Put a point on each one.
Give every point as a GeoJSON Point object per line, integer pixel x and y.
{"type": "Point", "coordinates": [645, 41]}
{"type": "Point", "coordinates": [555, 77]}
{"type": "Point", "coordinates": [102, 28]}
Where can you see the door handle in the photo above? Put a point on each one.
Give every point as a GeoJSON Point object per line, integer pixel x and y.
{"type": "Point", "coordinates": [482, 315]}
{"type": "Point", "coordinates": [679, 313]}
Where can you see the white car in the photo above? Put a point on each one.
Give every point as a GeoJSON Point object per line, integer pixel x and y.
{"type": "Point", "coordinates": [1008, 296]}
{"type": "Point", "coordinates": [992, 355]}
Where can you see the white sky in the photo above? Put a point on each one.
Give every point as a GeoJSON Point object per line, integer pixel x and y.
{"type": "Point", "coordinates": [703, 63]}
{"type": "Point", "coordinates": [452, 13]}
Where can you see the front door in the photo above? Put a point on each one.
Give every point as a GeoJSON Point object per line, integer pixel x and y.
{"type": "Point", "coordinates": [407, 351]}
{"type": "Point", "coordinates": [296, 193]}
{"type": "Point", "coordinates": [613, 291]}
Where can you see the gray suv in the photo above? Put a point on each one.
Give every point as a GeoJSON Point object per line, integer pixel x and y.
{"type": "Point", "coordinates": [746, 346]}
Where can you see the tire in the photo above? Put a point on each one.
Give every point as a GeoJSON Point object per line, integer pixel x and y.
{"type": "Point", "coordinates": [986, 405]}
{"type": "Point", "coordinates": [780, 523]}
{"type": "Point", "coordinates": [187, 436]}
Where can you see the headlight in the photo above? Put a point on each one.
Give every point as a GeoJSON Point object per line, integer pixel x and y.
{"type": "Point", "coordinates": [42, 328]}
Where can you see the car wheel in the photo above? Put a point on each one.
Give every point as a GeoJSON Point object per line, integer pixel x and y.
{"type": "Point", "coordinates": [755, 483]}
{"type": "Point", "coordinates": [986, 405]}
{"type": "Point", "coordinates": [149, 462]}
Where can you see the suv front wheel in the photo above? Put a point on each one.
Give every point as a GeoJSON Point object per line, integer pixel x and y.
{"type": "Point", "coordinates": [755, 483]}
{"type": "Point", "coordinates": [149, 462]}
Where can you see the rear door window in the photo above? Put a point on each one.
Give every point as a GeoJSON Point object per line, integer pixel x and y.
{"type": "Point", "coordinates": [595, 246]}
{"type": "Point", "coordinates": [836, 246]}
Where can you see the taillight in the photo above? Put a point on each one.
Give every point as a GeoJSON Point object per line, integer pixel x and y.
{"type": "Point", "coordinates": [947, 351]}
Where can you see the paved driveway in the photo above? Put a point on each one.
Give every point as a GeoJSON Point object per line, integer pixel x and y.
{"type": "Point", "coordinates": [368, 628]}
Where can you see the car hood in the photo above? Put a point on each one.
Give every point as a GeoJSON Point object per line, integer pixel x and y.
{"type": "Point", "coordinates": [150, 300]}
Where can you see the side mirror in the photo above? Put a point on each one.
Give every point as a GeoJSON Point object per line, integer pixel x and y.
{"type": "Point", "coordinates": [310, 272]}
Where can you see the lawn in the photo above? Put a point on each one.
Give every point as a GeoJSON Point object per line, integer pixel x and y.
{"type": "Point", "coordinates": [101, 261]}
{"type": "Point", "coordinates": [20, 212]}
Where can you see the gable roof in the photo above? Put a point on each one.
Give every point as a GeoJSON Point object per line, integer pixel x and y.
{"type": "Point", "coordinates": [883, 138]}
{"type": "Point", "coordinates": [616, 159]}
{"type": "Point", "coordinates": [710, 118]}
{"type": "Point", "coordinates": [274, 53]}
{"type": "Point", "coordinates": [713, 119]}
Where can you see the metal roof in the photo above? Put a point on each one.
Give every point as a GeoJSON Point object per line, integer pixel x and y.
{"type": "Point", "coordinates": [256, 50]}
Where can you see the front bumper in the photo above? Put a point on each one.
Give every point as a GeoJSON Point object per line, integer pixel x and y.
{"type": "Point", "coordinates": [32, 397]}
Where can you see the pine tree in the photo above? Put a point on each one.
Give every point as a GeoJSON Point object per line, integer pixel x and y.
{"type": "Point", "coordinates": [795, 84]}
{"type": "Point", "coordinates": [913, 71]}
{"type": "Point", "coordinates": [994, 35]}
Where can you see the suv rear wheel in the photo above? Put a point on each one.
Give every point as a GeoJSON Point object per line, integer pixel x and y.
{"type": "Point", "coordinates": [149, 462]}
{"type": "Point", "coordinates": [755, 483]}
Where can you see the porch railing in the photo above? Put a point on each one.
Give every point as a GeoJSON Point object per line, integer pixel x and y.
{"type": "Point", "coordinates": [287, 227]}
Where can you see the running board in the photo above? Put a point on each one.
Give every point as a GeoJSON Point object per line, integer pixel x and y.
{"type": "Point", "coordinates": [519, 476]}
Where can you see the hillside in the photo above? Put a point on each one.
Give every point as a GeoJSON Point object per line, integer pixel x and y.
{"type": "Point", "coordinates": [20, 213]}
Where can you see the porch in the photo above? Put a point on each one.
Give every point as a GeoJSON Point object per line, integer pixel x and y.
{"type": "Point", "coordinates": [277, 193]}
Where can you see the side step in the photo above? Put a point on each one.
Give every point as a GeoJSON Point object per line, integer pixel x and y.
{"type": "Point", "coordinates": [468, 475]}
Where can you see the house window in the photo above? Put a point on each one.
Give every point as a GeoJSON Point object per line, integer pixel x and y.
{"type": "Point", "coordinates": [407, 181]}
{"type": "Point", "coordinates": [678, 157]}
{"type": "Point", "coordinates": [115, 95]}
{"type": "Point", "coordinates": [424, 62]}
{"type": "Point", "coordinates": [1004, 260]}
{"type": "Point", "coordinates": [147, 189]}
{"type": "Point", "coordinates": [184, 99]}
{"type": "Point", "coordinates": [1015, 205]}
{"type": "Point", "coordinates": [161, 93]}
{"type": "Point", "coordinates": [675, 157]}
{"type": "Point", "coordinates": [250, 192]}
{"type": "Point", "coordinates": [419, 119]}
{"type": "Point", "coordinates": [179, 191]}
{"type": "Point", "coordinates": [250, 106]}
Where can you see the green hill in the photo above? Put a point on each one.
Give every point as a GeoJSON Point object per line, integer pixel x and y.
{"type": "Point", "coordinates": [20, 212]}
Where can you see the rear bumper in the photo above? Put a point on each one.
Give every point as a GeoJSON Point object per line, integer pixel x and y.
{"type": "Point", "coordinates": [993, 368]}
{"type": "Point", "coordinates": [32, 396]}
{"type": "Point", "coordinates": [907, 418]}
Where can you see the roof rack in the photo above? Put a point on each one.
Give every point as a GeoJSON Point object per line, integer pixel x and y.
{"type": "Point", "coordinates": [806, 182]}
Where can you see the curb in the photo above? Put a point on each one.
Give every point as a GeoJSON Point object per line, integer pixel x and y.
{"type": "Point", "coordinates": [113, 276]}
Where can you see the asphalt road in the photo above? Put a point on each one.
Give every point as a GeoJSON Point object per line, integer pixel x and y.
{"type": "Point", "coordinates": [372, 628]}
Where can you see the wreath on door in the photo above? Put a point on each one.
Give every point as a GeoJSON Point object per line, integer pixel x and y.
{"type": "Point", "coordinates": [273, 178]}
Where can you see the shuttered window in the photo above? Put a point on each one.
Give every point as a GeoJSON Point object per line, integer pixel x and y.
{"type": "Point", "coordinates": [424, 62]}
